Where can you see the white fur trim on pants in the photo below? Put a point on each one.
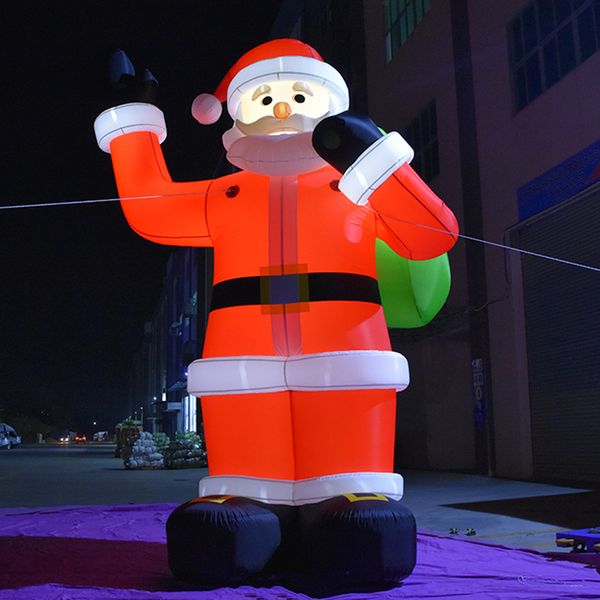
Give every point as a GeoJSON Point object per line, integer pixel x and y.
{"type": "Point", "coordinates": [303, 491]}
{"type": "Point", "coordinates": [127, 118]}
{"type": "Point", "coordinates": [374, 166]}
{"type": "Point", "coordinates": [351, 370]}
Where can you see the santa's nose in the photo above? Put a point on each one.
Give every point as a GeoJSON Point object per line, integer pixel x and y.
{"type": "Point", "coordinates": [282, 110]}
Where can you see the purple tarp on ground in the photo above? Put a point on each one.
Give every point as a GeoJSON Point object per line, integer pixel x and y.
{"type": "Point", "coordinates": [119, 552]}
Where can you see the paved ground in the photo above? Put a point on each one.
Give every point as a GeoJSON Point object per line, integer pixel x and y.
{"type": "Point", "coordinates": [86, 474]}
{"type": "Point", "coordinates": [501, 511]}
{"type": "Point", "coordinates": [511, 513]}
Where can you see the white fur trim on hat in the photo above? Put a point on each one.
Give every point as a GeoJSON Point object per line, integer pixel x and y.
{"type": "Point", "coordinates": [206, 109]}
{"type": "Point", "coordinates": [302, 68]}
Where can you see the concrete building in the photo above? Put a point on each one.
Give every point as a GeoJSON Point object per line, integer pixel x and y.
{"type": "Point", "coordinates": [513, 383]}
{"type": "Point", "coordinates": [171, 341]}
{"type": "Point", "coordinates": [498, 101]}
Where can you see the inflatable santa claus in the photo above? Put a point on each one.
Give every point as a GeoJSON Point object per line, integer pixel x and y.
{"type": "Point", "coordinates": [297, 378]}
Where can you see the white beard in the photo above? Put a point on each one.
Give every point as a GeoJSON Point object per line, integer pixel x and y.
{"type": "Point", "coordinates": [283, 154]}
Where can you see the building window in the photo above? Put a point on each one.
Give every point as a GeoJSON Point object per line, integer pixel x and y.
{"type": "Point", "coordinates": [421, 134]}
{"type": "Point", "coordinates": [401, 18]}
{"type": "Point", "coordinates": [546, 40]}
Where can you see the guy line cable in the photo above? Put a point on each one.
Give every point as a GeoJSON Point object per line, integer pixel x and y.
{"type": "Point", "coordinates": [460, 235]}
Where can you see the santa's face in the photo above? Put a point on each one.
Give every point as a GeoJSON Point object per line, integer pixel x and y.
{"type": "Point", "coordinates": [273, 128]}
{"type": "Point", "coordinates": [283, 107]}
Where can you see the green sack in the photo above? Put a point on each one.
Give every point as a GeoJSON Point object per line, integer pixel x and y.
{"type": "Point", "coordinates": [412, 291]}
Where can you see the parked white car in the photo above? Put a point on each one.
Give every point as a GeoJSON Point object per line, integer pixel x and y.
{"type": "Point", "coordinates": [8, 437]}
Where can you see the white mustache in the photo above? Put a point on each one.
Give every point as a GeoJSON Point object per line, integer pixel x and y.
{"type": "Point", "coordinates": [268, 124]}
{"type": "Point", "coordinates": [289, 154]}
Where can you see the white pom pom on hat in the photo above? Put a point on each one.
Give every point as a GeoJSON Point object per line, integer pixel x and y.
{"type": "Point", "coordinates": [270, 61]}
{"type": "Point", "coordinates": [206, 109]}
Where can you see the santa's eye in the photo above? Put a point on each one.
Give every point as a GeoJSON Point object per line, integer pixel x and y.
{"type": "Point", "coordinates": [267, 100]}
{"type": "Point", "coordinates": [299, 98]}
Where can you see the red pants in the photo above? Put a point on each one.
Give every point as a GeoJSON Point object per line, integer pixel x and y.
{"type": "Point", "coordinates": [297, 435]}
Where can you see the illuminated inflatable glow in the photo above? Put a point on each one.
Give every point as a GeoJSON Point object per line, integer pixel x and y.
{"type": "Point", "coordinates": [297, 378]}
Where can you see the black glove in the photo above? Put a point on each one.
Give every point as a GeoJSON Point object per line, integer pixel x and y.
{"type": "Point", "coordinates": [341, 139]}
{"type": "Point", "coordinates": [125, 85]}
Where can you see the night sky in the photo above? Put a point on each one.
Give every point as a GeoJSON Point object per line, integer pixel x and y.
{"type": "Point", "coordinates": [76, 283]}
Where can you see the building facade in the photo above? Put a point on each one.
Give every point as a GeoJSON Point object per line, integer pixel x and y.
{"type": "Point", "coordinates": [515, 86]}
{"type": "Point", "coordinates": [172, 340]}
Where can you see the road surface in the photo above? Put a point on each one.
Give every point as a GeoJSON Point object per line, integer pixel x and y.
{"type": "Point", "coordinates": [86, 474]}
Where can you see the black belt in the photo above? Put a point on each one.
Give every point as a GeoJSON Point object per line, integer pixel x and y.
{"type": "Point", "coordinates": [292, 288]}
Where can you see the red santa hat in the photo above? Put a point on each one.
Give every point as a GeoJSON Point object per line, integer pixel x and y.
{"type": "Point", "coordinates": [277, 59]}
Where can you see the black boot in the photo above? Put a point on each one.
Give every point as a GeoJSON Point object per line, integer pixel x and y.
{"type": "Point", "coordinates": [221, 539]}
{"type": "Point", "coordinates": [358, 540]}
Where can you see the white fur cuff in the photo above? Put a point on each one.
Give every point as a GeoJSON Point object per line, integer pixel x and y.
{"type": "Point", "coordinates": [303, 491]}
{"type": "Point", "coordinates": [374, 166]}
{"type": "Point", "coordinates": [127, 118]}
